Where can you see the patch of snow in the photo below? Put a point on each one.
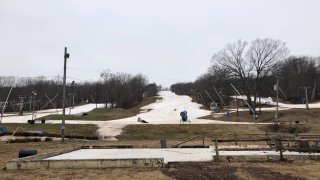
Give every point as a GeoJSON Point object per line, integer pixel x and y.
{"type": "Point", "coordinates": [270, 101]}
{"type": "Point", "coordinates": [77, 110]}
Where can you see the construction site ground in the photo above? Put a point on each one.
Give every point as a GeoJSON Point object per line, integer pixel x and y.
{"type": "Point", "coordinates": [185, 170]}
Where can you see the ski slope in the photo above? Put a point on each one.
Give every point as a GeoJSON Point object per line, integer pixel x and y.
{"type": "Point", "coordinates": [164, 111]}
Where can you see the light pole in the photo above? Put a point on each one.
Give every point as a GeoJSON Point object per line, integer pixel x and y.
{"type": "Point", "coordinates": [34, 93]}
{"type": "Point", "coordinates": [306, 93]}
{"type": "Point", "coordinates": [307, 102]}
{"type": "Point", "coordinates": [277, 107]}
{"type": "Point", "coordinates": [222, 103]}
{"type": "Point", "coordinates": [66, 56]}
{"type": "Point", "coordinates": [70, 103]}
{"type": "Point", "coordinates": [237, 105]}
{"type": "Point", "coordinates": [72, 86]}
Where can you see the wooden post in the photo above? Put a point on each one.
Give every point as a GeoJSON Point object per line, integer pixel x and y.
{"type": "Point", "coordinates": [13, 134]}
{"type": "Point", "coordinates": [280, 149]}
{"type": "Point", "coordinates": [216, 148]}
{"type": "Point", "coordinates": [290, 122]}
{"type": "Point", "coordinates": [203, 140]}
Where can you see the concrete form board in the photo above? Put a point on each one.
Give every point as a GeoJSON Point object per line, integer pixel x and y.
{"type": "Point", "coordinates": [78, 164]}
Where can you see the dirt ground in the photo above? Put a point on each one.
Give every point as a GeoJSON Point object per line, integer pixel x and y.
{"type": "Point", "coordinates": [194, 170]}
{"type": "Point", "coordinates": [243, 170]}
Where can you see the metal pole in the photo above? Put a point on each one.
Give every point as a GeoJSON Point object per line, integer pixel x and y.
{"type": "Point", "coordinates": [253, 112]}
{"type": "Point", "coordinates": [30, 103]}
{"type": "Point", "coordinates": [73, 83]}
{"type": "Point", "coordinates": [237, 106]}
{"type": "Point", "coordinates": [96, 101]}
{"type": "Point", "coordinates": [5, 104]}
{"type": "Point", "coordinates": [209, 95]}
{"type": "Point", "coordinates": [219, 96]}
{"type": "Point", "coordinates": [66, 55]}
{"type": "Point", "coordinates": [50, 101]}
{"type": "Point", "coordinates": [203, 102]}
{"type": "Point", "coordinates": [277, 106]}
{"type": "Point", "coordinates": [307, 103]}
{"type": "Point", "coordinates": [33, 102]}
{"type": "Point", "coordinates": [73, 101]}
{"type": "Point", "coordinates": [70, 104]}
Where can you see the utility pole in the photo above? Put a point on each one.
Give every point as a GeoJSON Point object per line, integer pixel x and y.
{"type": "Point", "coordinates": [66, 56]}
{"type": "Point", "coordinates": [277, 105]}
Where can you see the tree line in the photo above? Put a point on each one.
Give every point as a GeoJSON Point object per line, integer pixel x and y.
{"type": "Point", "coordinates": [121, 90]}
{"type": "Point", "coordinates": [253, 68]}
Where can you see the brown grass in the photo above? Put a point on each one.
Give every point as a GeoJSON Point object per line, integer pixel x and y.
{"type": "Point", "coordinates": [184, 131]}
{"type": "Point", "coordinates": [70, 129]}
{"type": "Point", "coordinates": [310, 119]}
{"type": "Point", "coordinates": [105, 114]}
{"type": "Point", "coordinates": [303, 115]}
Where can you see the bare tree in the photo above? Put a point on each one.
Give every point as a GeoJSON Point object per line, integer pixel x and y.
{"type": "Point", "coordinates": [256, 61]}
{"type": "Point", "coordinates": [232, 59]}
{"type": "Point", "coordinates": [263, 55]}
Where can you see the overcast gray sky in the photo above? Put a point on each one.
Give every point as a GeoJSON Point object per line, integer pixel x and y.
{"type": "Point", "coordinates": [167, 40]}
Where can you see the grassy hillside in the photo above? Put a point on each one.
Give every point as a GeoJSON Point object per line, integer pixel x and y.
{"type": "Point", "coordinates": [104, 114]}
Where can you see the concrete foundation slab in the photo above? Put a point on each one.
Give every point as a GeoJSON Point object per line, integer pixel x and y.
{"type": "Point", "coordinates": [108, 157]}
{"type": "Point", "coordinates": [169, 155]}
